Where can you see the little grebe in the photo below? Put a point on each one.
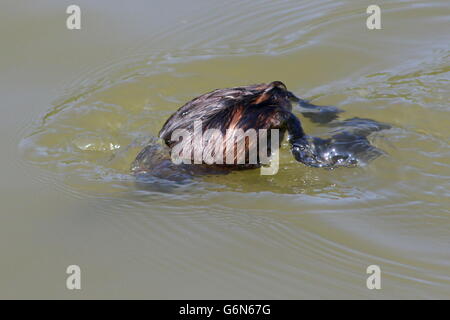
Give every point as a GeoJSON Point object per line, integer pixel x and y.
{"type": "Point", "coordinates": [260, 107]}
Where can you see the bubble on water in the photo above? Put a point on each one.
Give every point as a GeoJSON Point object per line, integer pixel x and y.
{"type": "Point", "coordinates": [363, 92]}
{"type": "Point", "coordinates": [91, 142]}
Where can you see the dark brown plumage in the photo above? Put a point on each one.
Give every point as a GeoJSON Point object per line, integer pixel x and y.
{"type": "Point", "coordinates": [261, 106]}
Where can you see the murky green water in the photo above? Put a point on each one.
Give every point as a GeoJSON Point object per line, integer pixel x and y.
{"type": "Point", "coordinates": [77, 106]}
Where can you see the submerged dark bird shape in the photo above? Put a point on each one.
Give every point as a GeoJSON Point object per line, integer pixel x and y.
{"type": "Point", "coordinates": [348, 146]}
{"type": "Point", "coordinates": [318, 114]}
{"type": "Point", "coordinates": [261, 106]}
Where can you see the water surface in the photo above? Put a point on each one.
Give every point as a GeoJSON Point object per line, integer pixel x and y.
{"type": "Point", "coordinates": [79, 105]}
